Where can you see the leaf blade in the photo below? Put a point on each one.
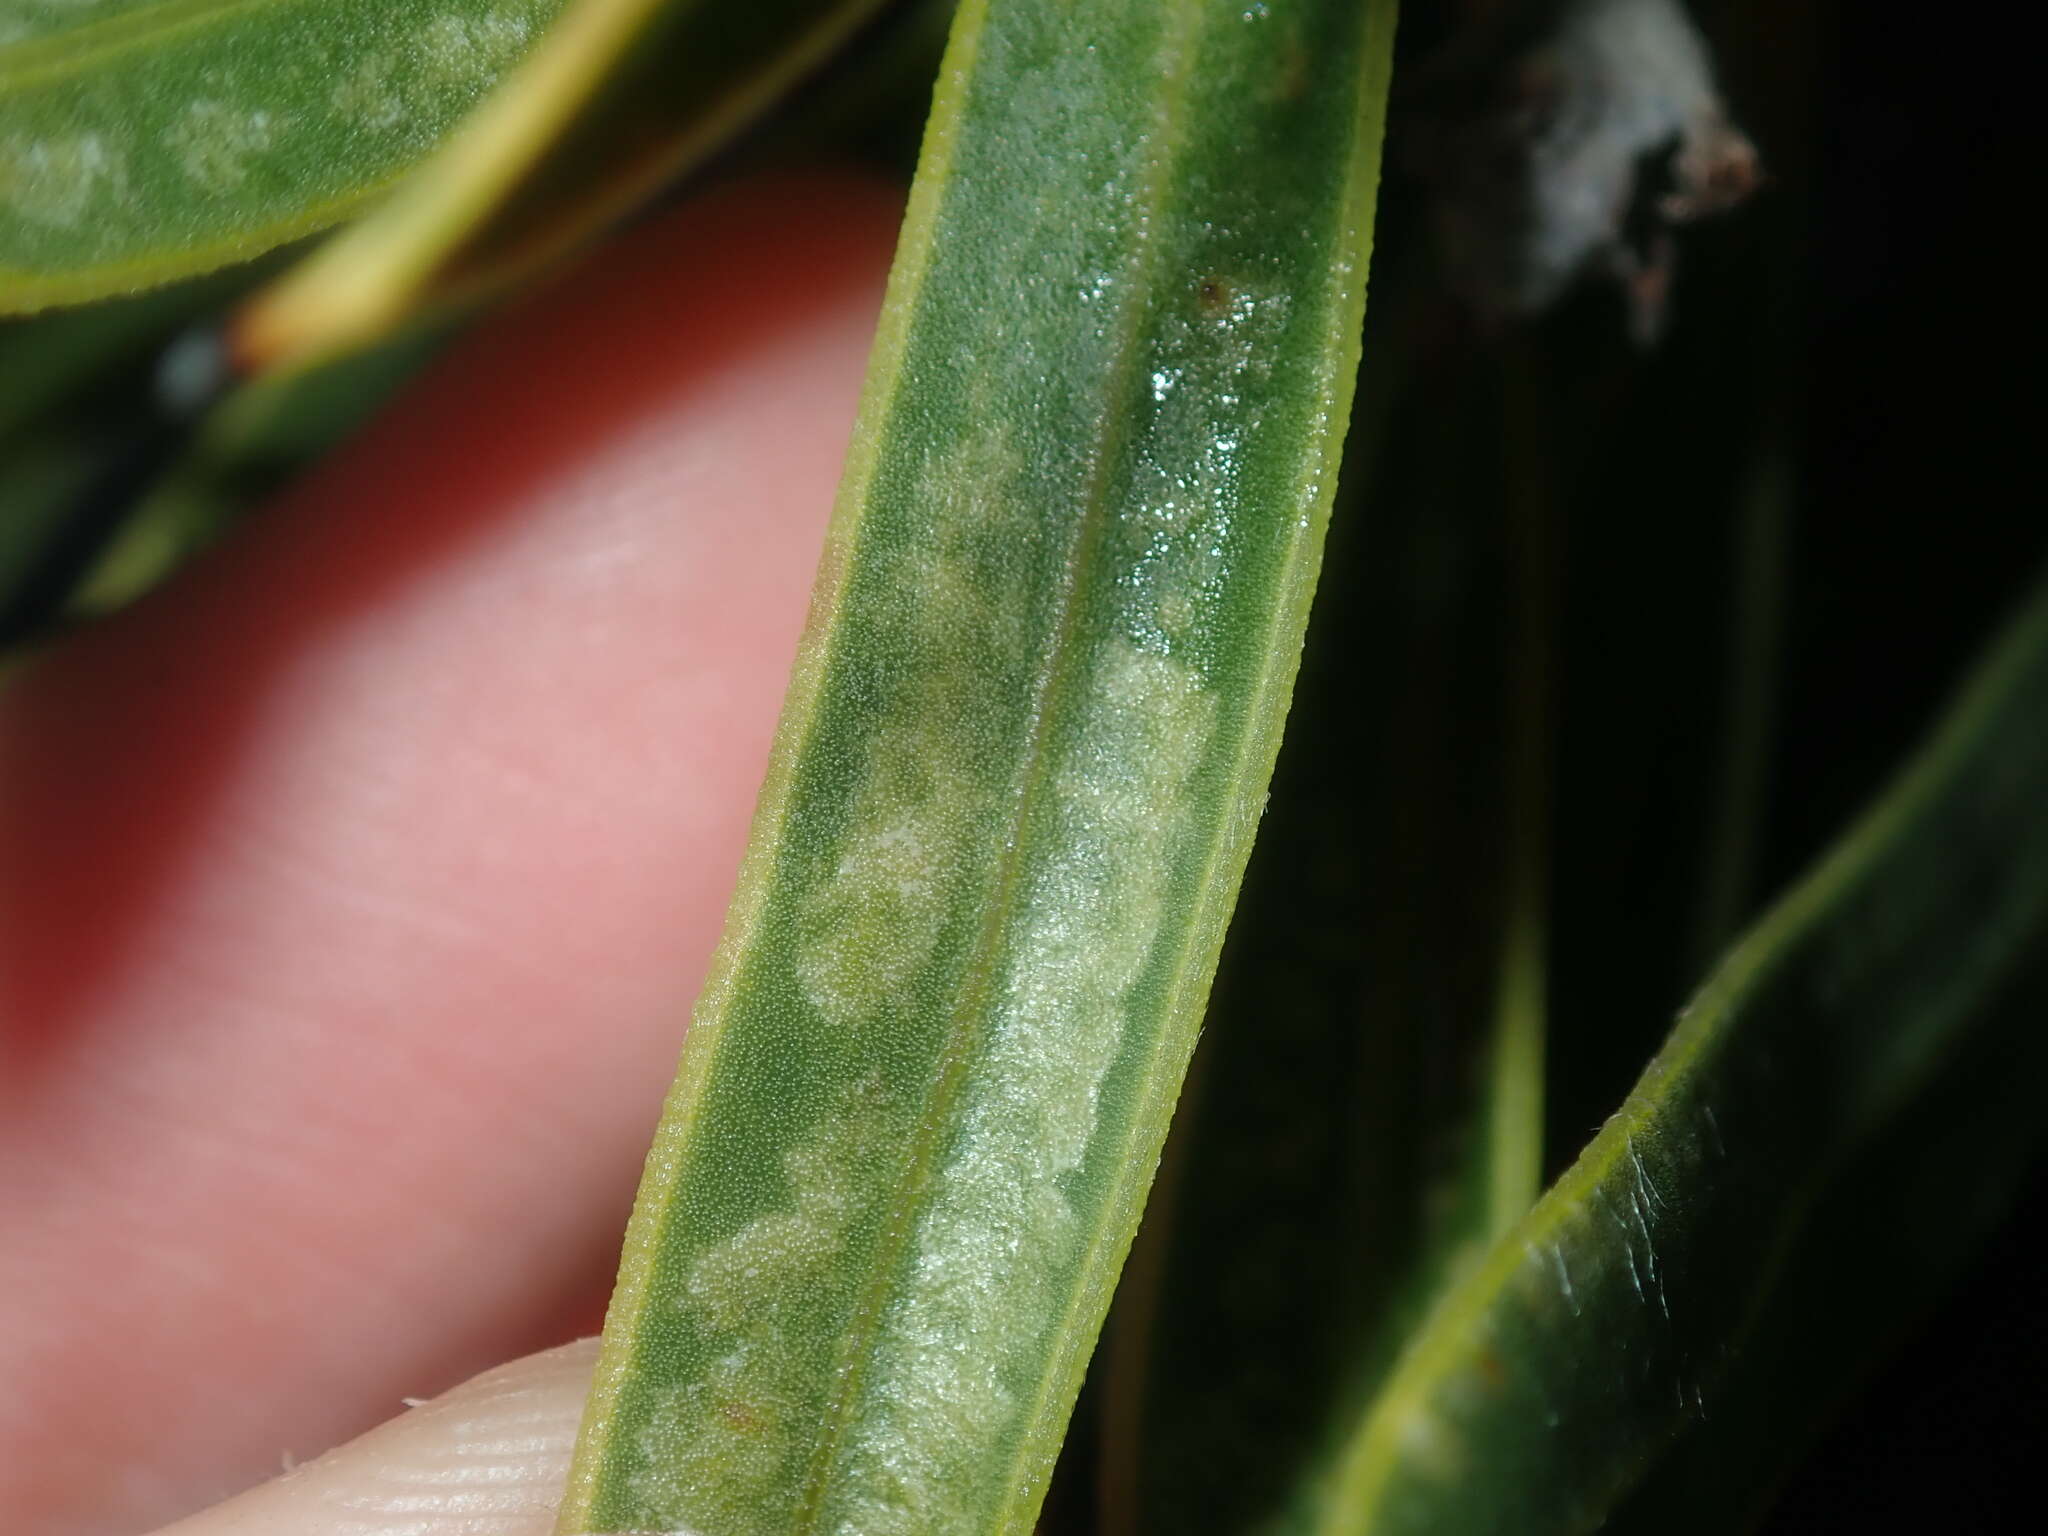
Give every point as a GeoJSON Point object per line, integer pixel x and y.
{"type": "Point", "coordinates": [1840, 1001]}
{"type": "Point", "coordinates": [620, 98]}
{"type": "Point", "coordinates": [171, 139]}
{"type": "Point", "coordinates": [1023, 755]}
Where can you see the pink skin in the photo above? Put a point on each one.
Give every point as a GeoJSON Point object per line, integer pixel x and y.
{"type": "Point", "coordinates": [355, 887]}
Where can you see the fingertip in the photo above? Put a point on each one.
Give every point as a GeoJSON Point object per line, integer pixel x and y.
{"type": "Point", "coordinates": [354, 888]}
{"type": "Point", "coordinates": [489, 1458]}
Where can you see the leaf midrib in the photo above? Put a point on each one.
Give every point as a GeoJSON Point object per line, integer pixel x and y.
{"type": "Point", "coordinates": [969, 1013]}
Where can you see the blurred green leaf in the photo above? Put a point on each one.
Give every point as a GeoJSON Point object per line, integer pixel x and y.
{"type": "Point", "coordinates": [37, 480]}
{"type": "Point", "coordinates": [247, 448]}
{"type": "Point", "coordinates": [143, 140]}
{"type": "Point", "coordinates": [47, 362]}
{"type": "Point", "coordinates": [76, 392]}
{"type": "Point", "coordinates": [1027, 744]}
{"type": "Point", "coordinates": [618, 100]}
{"type": "Point", "coordinates": [1541, 1389]}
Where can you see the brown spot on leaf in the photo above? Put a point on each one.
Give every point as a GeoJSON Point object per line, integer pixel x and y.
{"type": "Point", "coordinates": [743, 1417]}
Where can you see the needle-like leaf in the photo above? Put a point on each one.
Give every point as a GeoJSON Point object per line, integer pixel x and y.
{"type": "Point", "coordinates": [1024, 752]}
{"type": "Point", "coordinates": [1539, 1391]}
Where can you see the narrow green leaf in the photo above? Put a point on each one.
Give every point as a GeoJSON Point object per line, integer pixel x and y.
{"type": "Point", "coordinates": [1513, 1103]}
{"type": "Point", "coordinates": [1364, 1115]}
{"type": "Point", "coordinates": [37, 479]}
{"type": "Point", "coordinates": [1025, 749]}
{"type": "Point", "coordinates": [1758, 526]}
{"type": "Point", "coordinates": [619, 98]}
{"type": "Point", "coordinates": [1542, 1388]}
{"type": "Point", "coordinates": [1884, 1242]}
{"type": "Point", "coordinates": [251, 443]}
{"type": "Point", "coordinates": [47, 362]}
{"type": "Point", "coordinates": [75, 393]}
{"type": "Point", "coordinates": [142, 140]}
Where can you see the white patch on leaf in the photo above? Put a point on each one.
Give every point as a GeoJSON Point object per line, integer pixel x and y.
{"type": "Point", "coordinates": [728, 1435]}
{"type": "Point", "coordinates": [58, 180]}
{"type": "Point", "coordinates": [214, 143]}
{"type": "Point", "coordinates": [991, 1252]}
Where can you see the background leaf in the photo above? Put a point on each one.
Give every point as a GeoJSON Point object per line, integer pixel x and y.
{"type": "Point", "coordinates": [619, 100]}
{"type": "Point", "coordinates": [149, 140]}
{"type": "Point", "coordinates": [622, 98]}
{"type": "Point", "coordinates": [1610, 1316]}
{"type": "Point", "coordinates": [76, 395]}
{"type": "Point", "coordinates": [1885, 1239]}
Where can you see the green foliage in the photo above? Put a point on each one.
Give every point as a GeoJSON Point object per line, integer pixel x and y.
{"type": "Point", "coordinates": [1025, 748]}
{"type": "Point", "coordinates": [619, 100]}
{"type": "Point", "coordinates": [1527, 795]}
{"type": "Point", "coordinates": [146, 139]}
{"type": "Point", "coordinates": [1539, 1388]}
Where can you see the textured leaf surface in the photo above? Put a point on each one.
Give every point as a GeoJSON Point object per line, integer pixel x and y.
{"type": "Point", "coordinates": [1910, 1213]}
{"type": "Point", "coordinates": [1024, 752]}
{"type": "Point", "coordinates": [141, 140]}
{"type": "Point", "coordinates": [1541, 1389]}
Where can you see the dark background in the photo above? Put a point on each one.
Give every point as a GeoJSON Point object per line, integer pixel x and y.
{"type": "Point", "coordinates": [1923, 487]}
